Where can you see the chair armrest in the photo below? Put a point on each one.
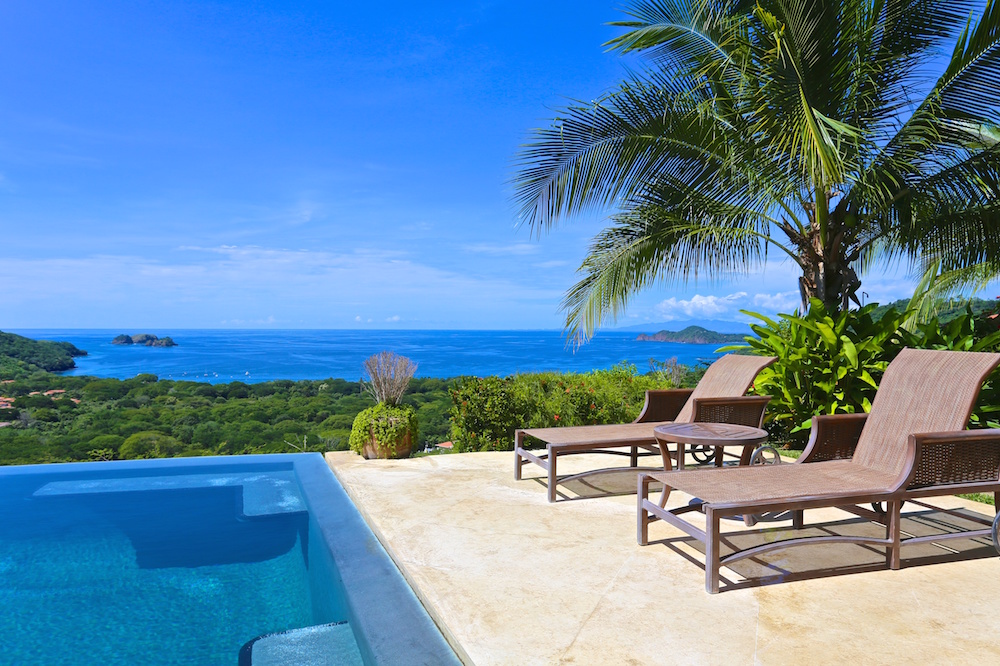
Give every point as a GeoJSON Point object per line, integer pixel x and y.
{"type": "Point", "coordinates": [833, 437]}
{"type": "Point", "coordinates": [663, 404]}
{"type": "Point", "coordinates": [950, 458]}
{"type": "Point", "coordinates": [745, 410]}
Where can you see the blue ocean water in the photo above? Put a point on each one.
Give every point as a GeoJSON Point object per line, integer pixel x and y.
{"type": "Point", "coordinates": [218, 356]}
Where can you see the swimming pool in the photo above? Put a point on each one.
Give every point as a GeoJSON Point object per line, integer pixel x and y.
{"type": "Point", "coordinates": [247, 559]}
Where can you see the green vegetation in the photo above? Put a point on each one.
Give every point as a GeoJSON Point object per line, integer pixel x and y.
{"type": "Point", "coordinates": [787, 128]}
{"type": "Point", "coordinates": [389, 429]}
{"type": "Point", "coordinates": [833, 363]}
{"type": "Point", "coordinates": [86, 418]}
{"type": "Point", "coordinates": [388, 425]}
{"type": "Point", "coordinates": [946, 310]}
{"type": "Point", "coordinates": [146, 339]}
{"type": "Point", "coordinates": [485, 412]}
{"type": "Point", "coordinates": [19, 355]}
{"type": "Point", "coordinates": [697, 335]}
{"type": "Point", "coordinates": [143, 417]}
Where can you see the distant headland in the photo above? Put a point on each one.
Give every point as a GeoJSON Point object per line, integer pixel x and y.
{"type": "Point", "coordinates": [695, 335]}
{"type": "Point", "coordinates": [20, 355]}
{"type": "Point", "coordinates": [145, 339]}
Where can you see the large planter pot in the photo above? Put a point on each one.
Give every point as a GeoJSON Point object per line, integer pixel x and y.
{"type": "Point", "coordinates": [384, 431]}
{"type": "Point", "coordinates": [373, 449]}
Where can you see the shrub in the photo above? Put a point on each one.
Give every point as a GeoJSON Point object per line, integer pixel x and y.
{"type": "Point", "coordinates": [833, 365]}
{"type": "Point", "coordinates": [149, 444]}
{"type": "Point", "coordinates": [388, 424]}
{"type": "Point", "coordinates": [826, 365]}
{"type": "Point", "coordinates": [102, 442]}
{"type": "Point", "coordinates": [485, 412]}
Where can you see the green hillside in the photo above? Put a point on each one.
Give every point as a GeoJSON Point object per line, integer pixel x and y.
{"type": "Point", "coordinates": [19, 352]}
{"type": "Point", "coordinates": [693, 335]}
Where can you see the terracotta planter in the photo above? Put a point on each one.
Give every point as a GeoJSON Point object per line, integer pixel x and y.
{"type": "Point", "coordinates": [372, 449]}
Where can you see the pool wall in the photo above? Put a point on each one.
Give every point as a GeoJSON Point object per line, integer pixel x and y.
{"type": "Point", "coordinates": [390, 623]}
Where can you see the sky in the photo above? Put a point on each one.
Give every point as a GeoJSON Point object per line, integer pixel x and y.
{"type": "Point", "coordinates": [171, 164]}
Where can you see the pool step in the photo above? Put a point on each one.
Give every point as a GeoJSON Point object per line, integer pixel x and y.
{"type": "Point", "coordinates": [323, 645]}
{"type": "Point", "coordinates": [266, 494]}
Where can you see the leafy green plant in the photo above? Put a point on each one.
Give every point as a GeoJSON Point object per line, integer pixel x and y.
{"type": "Point", "coordinates": [832, 364]}
{"type": "Point", "coordinates": [827, 364]}
{"type": "Point", "coordinates": [385, 425]}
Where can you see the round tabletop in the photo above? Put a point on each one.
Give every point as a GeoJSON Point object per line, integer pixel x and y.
{"type": "Point", "coordinates": [710, 434]}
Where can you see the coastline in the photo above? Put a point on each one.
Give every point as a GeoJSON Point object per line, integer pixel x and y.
{"type": "Point", "coordinates": [254, 355]}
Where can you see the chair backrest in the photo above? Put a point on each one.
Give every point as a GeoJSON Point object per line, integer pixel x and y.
{"type": "Point", "coordinates": [729, 377]}
{"type": "Point", "coordinates": [922, 390]}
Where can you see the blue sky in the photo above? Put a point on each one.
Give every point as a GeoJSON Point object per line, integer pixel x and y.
{"type": "Point", "coordinates": [301, 165]}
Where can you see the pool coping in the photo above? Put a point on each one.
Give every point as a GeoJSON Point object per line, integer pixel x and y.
{"type": "Point", "coordinates": [391, 624]}
{"type": "Point", "coordinates": [398, 562]}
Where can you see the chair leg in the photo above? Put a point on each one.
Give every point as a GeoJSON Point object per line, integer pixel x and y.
{"type": "Point", "coordinates": [642, 528]}
{"type": "Point", "coordinates": [518, 460]}
{"type": "Point", "coordinates": [892, 554]}
{"type": "Point", "coordinates": [712, 545]}
{"type": "Point", "coordinates": [634, 459]}
{"type": "Point", "coordinates": [797, 519]}
{"type": "Point", "coordinates": [552, 474]}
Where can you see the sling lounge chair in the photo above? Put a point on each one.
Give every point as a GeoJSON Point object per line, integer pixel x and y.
{"type": "Point", "coordinates": [717, 398]}
{"type": "Point", "coordinates": [912, 445]}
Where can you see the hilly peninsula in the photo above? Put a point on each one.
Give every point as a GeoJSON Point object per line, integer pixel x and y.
{"type": "Point", "coordinates": [20, 353]}
{"type": "Point", "coordinates": [695, 335]}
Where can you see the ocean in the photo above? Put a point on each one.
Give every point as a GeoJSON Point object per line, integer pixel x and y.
{"type": "Point", "coordinates": [220, 356]}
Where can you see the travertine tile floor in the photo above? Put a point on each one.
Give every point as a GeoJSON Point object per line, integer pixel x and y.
{"type": "Point", "coordinates": [515, 580]}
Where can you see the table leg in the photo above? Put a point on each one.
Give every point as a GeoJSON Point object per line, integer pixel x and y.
{"type": "Point", "coordinates": [552, 474]}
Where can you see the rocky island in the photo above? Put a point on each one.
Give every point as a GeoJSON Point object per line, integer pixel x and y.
{"type": "Point", "coordinates": [145, 339]}
{"type": "Point", "coordinates": [695, 335]}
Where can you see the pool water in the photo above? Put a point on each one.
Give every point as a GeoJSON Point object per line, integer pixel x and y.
{"type": "Point", "coordinates": [153, 563]}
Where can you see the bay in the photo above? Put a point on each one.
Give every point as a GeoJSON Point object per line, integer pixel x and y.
{"type": "Point", "coordinates": [219, 356]}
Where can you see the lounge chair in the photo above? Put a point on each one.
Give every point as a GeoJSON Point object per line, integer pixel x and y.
{"type": "Point", "coordinates": [717, 398]}
{"type": "Point", "coordinates": [912, 445]}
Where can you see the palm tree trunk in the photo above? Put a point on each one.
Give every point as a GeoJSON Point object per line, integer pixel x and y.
{"type": "Point", "coordinates": [828, 276]}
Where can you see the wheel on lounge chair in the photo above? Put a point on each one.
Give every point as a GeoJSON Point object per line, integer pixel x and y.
{"type": "Point", "coordinates": [702, 454]}
{"type": "Point", "coordinates": [996, 533]}
{"type": "Point", "coordinates": [879, 507]}
{"type": "Point", "coordinates": [765, 455]}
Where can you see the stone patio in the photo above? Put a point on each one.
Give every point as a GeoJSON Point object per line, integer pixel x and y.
{"type": "Point", "coordinates": [512, 579]}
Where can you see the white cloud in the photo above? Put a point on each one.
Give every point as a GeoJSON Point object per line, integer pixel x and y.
{"type": "Point", "coordinates": [785, 301]}
{"type": "Point", "coordinates": [698, 306]}
{"type": "Point", "coordinates": [724, 308]}
{"type": "Point", "coordinates": [202, 285]}
{"type": "Point", "coordinates": [555, 263]}
{"type": "Point", "coordinates": [393, 318]}
{"type": "Point", "coordinates": [517, 249]}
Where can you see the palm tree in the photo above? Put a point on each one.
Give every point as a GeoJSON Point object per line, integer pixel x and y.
{"type": "Point", "coordinates": [809, 128]}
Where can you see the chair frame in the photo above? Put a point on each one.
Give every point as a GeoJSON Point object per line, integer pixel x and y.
{"type": "Point", "coordinates": [661, 406]}
{"type": "Point", "coordinates": [938, 464]}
